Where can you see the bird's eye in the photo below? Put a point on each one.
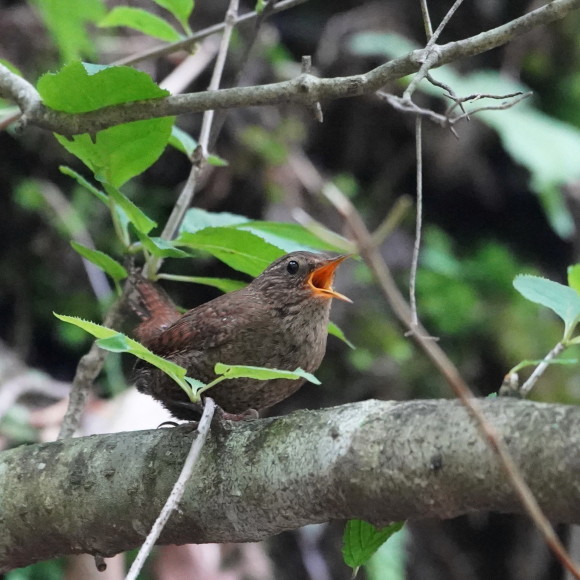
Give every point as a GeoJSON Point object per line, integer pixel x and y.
{"type": "Point", "coordinates": [292, 267]}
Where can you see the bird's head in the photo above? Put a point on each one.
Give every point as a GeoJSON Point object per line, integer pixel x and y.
{"type": "Point", "coordinates": [301, 275]}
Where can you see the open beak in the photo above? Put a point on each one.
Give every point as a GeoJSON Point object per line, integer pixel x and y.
{"type": "Point", "coordinates": [320, 280]}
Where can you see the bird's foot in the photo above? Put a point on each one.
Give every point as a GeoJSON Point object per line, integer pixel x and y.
{"type": "Point", "coordinates": [167, 424]}
{"type": "Point", "coordinates": [247, 415]}
{"type": "Point", "coordinates": [190, 426]}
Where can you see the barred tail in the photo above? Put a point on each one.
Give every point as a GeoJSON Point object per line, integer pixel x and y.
{"type": "Point", "coordinates": [153, 306]}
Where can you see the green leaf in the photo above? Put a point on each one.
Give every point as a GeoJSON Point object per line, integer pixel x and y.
{"type": "Point", "coordinates": [563, 300]}
{"type": "Point", "coordinates": [533, 363]}
{"type": "Point", "coordinates": [261, 373]}
{"type": "Point", "coordinates": [248, 246]}
{"type": "Point", "coordinates": [159, 247]}
{"type": "Point", "coordinates": [140, 20]}
{"type": "Point", "coordinates": [182, 141]}
{"type": "Point", "coordinates": [181, 9]}
{"type": "Point", "coordinates": [223, 284]}
{"type": "Point", "coordinates": [114, 341]}
{"type": "Point", "coordinates": [117, 154]}
{"type": "Point", "coordinates": [102, 260]}
{"type": "Point", "coordinates": [240, 250]}
{"type": "Point", "coordinates": [83, 182]}
{"type": "Point", "coordinates": [389, 44]}
{"type": "Point", "coordinates": [547, 147]}
{"type": "Point", "coordinates": [291, 237]}
{"type": "Point", "coordinates": [66, 22]}
{"type": "Point", "coordinates": [216, 161]}
{"type": "Point", "coordinates": [361, 540]}
{"type": "Point", "coordinates": [142, 223]}
{"type": "Point", "coordinates": [388, 562]}
{"type": "Point", "coordinates": [11, 67]}
{"type": "Point", "coordinates": [574, 277]}
{"type": "Point", "coordinates": [197, 219]}
{"type": "Point", "coordinates": [336, 331]}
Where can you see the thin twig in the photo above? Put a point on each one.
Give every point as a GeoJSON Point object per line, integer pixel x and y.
{"type": "Point", "coordinates": [218, 70]}
{"type": "Point", "coordinates": [451, 93]}
{"type": "Point", "coordinates": [198, 162]}
{"type": "Point", "coordinates": [382, 274]}
{"type": "Point", "coordinates": [186, 43]}
{"type": "Point", "coordinates": [443, 120]}
{"type": "Point", "coordinates": [430, 55]}
{"type": "Point", "coordinates": [220, 116]}
{"type": "Point", "coordinates": [372, 256]}
{"type": "Point", "coordinates": [540, 369]}
{"type": "Point", "coordinates": [177, 491]}
{"type": "Point", "coordinates": [426, 19]}
{"type": "Point", "coordinates": [76, 228]}
{"type": "Point", "coordinates": [88, 369]}
{"type": "Point", "coordinates": [283, 92]}
{"type": "Point", "coordinates": [392, 219]}
{"type": "Point", "coordinates": [418, 223]}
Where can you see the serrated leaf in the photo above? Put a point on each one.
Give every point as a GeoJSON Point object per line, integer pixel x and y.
{"type": "Point", "coordinates": [101, 260]}
{"type": "Point", "coordinates": [141, 20]}
{"type": "Point", "coordinates": [361, 540]}
{"type": "Point", "coordinates": [240, 250]}
{"type": "Point", "coordinates": [159, 247]}
{"type": "Point", "coordinates": [336, 331]}
{"type": "Point", "coordinates": [181, 9]}
{"type": "Point", "coordinates": [137, 217]}
{"type": "Point", "coordinates": [119, 153]}
{"type": "Point", "coordinates": [290, 237]}
{"type": "Point", "coordinates": [563, 300]}
{"type": "Point", "coordinates": [262, 373]}
{"type": "Point", "coordinates": [114, 341]}
{"type": "Point", "coordinates": [197, 219]}
{"type": "Point", "coordinates": [182, 141]}
{"type": "Point", "coordinates": [574, 277]}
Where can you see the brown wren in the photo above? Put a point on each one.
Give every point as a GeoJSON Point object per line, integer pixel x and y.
{"type": "Point", "coordinates": [278, 321]}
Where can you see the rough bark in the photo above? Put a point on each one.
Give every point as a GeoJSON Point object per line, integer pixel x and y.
{"type": "Point", "coordinates": [379, 461]}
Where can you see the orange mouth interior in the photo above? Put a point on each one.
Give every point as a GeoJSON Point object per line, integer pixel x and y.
{"type": "Point", "coordinates": [320, 280]}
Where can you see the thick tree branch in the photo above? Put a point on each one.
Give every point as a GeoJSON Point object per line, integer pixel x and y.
{"type": "Point", "coordinates": [380, 461]}
{"type": "Point", "coordinates": [305, 89]}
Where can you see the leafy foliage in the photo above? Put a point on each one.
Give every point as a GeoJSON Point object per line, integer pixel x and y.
{"type": "Point", "coordinates": [140, 20]}
{"type": "Point", "coordinates": [549, 149]}
{"type": "Point", "coordinates": [119, 153]}
{"type": "Point", "coordinates": [66, 22]}
{"type": "Point", "coordinates": [562, 300]}
{"type": "Point", "coordinates": [361, 540]}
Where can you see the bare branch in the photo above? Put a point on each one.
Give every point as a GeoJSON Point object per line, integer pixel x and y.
{"type": "Point", "coordinates": [383, 276]}
{"type": "Point", "coordinates": [188, 42]}
{"type": "Point", "coordinates": [431, 53]}
{"type": "Point", "coordinates": [87, 371]}
{"type": "Point", "coordinates": [276, 93]}
{"type": "Point", "coordinates": [177, 491]}
{"type": "Point", "coordinates": [540, 369]}
{"type": "Point", "coordinates": [198, 162]}
{"type": "Point", "coordinates": [101, 494]}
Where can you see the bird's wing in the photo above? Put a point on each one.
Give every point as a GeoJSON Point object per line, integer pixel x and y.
{"type": "Point", "coordinates": [211, 324]}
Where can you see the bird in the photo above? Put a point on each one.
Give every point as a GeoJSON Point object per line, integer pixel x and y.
{"type": "Point", "coordinates": [279, 320]}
